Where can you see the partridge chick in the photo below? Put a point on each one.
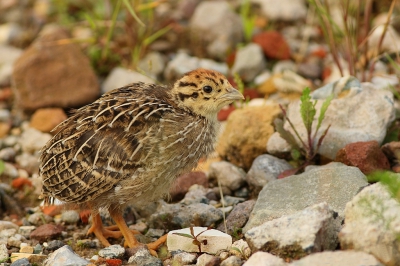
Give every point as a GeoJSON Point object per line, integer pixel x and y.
{"type": "Point", "coordinates": [130, 145]}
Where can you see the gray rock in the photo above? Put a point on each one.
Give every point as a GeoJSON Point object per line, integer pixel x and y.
{"type": "Point", "coordinates": [54, 245]}
{"type": "Point", "coordinates": [264, 259]}
{"type": "Point", "coordinates": [207, 259]}
{"type": "Point", "coordinates": [237, 218]}
{"type": "Point", "coordinates": [196, 194]}
{"type": "Point", "coordinates": [64, 256]}
{"type": "Point", "coordinates": [232, 201]}
{"type": "Point", "coordinates": [362, 114]}
{"type": "Point", "coordinates": [284, 65]}
{"type": "Point", "coordinates": [183, 63]}
{"type": "Point", "coordinates": [7, 225]}
{"type": "Point", "coordinates": [8, 55]}
{"type": "Point", "coordinates": [70, 217]}
{"type": "Point", "coordinates": [286, 10]}
{"type": "Point", "coordinates": [232, 261]}
{"type": "Point", "coordinates": [153, 64]}
{"type": "Point", "coordinates": [21, 262]}
{"type": "Point", "coordinates": [15, 240]}
{"type": "Point", "coordinates": [347, 257]}
{"type": "Point", "coordinates": [3, 252]}
{"type": "Point", "coordinates": [120, 77]}
{"type": "Point", "coordinates": [176, 216]}
{"type": "Point", "coordinates": [28, 162]}
{"type": "Point", "coordinates": [26, 230]}
{"type": "Point", "coordinates": [182, 258]}
{"type": "Point", "coordinates": [112, 252]}
{"type": "Point", "coordinates": [313, 229]}
{"type": "Point", "coordinates": [216, 24]}
{"type": "Point", "coordinates": [143, 258]}
{"type": "Point", "coordinates": [7, 154]}
{"type": "Point", "coordinates": [265, 168]}
{"type": "Point", "coordinates": [335, 184]}
{"type": "Point", "coordinates": [249, 62]}
{"type": "Point", "coordinates": [227, 174]}
{"type": "Point", "coordinates": [10, 170]}
{"type": "Point", "coordinates": [372, 224]}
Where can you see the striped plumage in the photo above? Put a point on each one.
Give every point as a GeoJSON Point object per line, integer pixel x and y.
{"type": "Point", "coordinates": [130, 145]}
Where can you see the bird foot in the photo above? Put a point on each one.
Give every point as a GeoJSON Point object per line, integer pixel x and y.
{"type": "Point", "coordinates": [153, 246]}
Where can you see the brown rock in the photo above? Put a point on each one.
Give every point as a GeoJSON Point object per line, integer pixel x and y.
{"type": "Point", "coordinates": [185, 181]}
{"type": "Point", "coordinates": [367, 156]}
{"type": "Point", "coordinates": [246, 134]}
{"type": "Point", "coordinates": [268, 87]}
{"type": "Point", "coordinates": [46, 232]}
{"type": "Point", "coordinates": [237, 218]}
{"type": "Point", "coordinates": [4, 129]}
{"type": "Point", "coordinates": [53, 72]}
{"type": "Point", "coordinates": [273, 44]}
{"type": "Point", "coordinates": [392, 152]}
{"type": "Point", "coordinates": [46, 119]}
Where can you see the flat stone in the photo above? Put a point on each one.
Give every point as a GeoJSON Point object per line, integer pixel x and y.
{"type": "Point", "coordinates": [32, 258]}
{"type": "Point", "coordinates": [313, 229]}
{"type": "Point", "coordinates": [346, 257]}
{"type": "Point", "coordinates": [335, 184]}
{"type": "Point", "coordinates": [372, 224]}
{"type": "Point", "coordinates": [264, 259]}
{"type": "Point", "coordinates": [26, 249]}
{"type": "Point", "coordinates": [211, 240]}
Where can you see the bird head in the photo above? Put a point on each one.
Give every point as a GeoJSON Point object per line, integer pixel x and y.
{"type": "Point", "coordinates": [204, 92]}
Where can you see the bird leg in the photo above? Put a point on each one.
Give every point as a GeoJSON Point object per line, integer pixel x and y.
{"type": "Point", "coordinates": [101, 232]}
{"type": "Point", "coordinates": [130, 239]}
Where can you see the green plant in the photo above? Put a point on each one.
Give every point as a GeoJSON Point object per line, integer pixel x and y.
{"type": "Point", "coordinates": [308, 149]}
{"type": "Point", "coordinates": [351, 41]}
{"type": "Point", "coordinates": [248, 20]}
{"type": "Point", "coordinates": [196, 241]}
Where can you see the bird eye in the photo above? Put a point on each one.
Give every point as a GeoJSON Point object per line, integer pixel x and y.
{"type": "Point", "coordinates": [207, 89]}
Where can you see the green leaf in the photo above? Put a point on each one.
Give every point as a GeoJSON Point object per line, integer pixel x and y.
{"type": "Point", "coordinates": [2, 166]}
{"type": "Point", "coordinates": [149, 40]}
{"type": "Point", "coordinates": [389, 179]}
{"type": "Point", "coordinates": [133, 13]}
{"type": "Point", "coordinates": [184, 235]}
{"type": "Point", "coordinates": [324, 107]}
{"type": "Point", "coordinates": [307, 109]}
{"type": "Point", "coordinates": [286, 135]}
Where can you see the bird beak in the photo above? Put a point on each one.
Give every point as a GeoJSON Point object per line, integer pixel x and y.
{"type": "Point", "coordinates": [232, 95]}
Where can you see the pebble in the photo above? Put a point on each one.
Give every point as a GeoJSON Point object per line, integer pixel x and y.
{"type": "Point", "coordinates": [26, 230]}
{"type": "Point", "coordinates": [245, 68]}
{"type": "Point", "coordinates": [46, 232]}
{"type": "Point", "coordinates": [70, 217]}
{"type": "Point", "coordinates": [3, 252]}
{"type": "Point", "coordinates": [21, 262]}
{"type": "Point", "coordinates": [39, 218]}
{"type": "Point", "coordinates": [240, 249]}
{"type": "Point", "coordinates": [238, 217]}
{"type": "Point", "coordinates": [227, 175]}
{"type": "Point", "coordinates": [207, 260]}
{"type": "Point", "coordinates": [264, 259]}
{"type": "Point", "coordinates": [64, 256]}
{"type": "Point", "coordinates": [232, 261]}
{"type": "Point", "coordinates": [143, 257]}
{"type": "Point", "coordinates": [180, 257]}
{"type": "Point", "coordinates": [26, 249]}
{"type": "Point", "coordinates": [120, 77]}
{"type": "Point", "coordinates": [54, 245]}
{"type": "Point", "coordinates": [111, 252]}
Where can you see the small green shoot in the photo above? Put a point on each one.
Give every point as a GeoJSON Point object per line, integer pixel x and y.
{"type": "Point", "coordinates": [389, 179]}
{"type": "Point", "coordinates": [308, 112]}
{"type": "Point", "coordinates": [2, 166]}
{"type": "Point", "coordinates": [248, 20]}
{"type": "Point", "coordinates": [196, 242]}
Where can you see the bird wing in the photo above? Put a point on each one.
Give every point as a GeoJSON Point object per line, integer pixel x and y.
{"type": "Point", "coordinates": [102, 143]}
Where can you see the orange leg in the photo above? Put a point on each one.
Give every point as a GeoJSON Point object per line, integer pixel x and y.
{"type": "Point", "coordinates": [100, 232]}
{"type": "Point", "coordinates": [128, 234]}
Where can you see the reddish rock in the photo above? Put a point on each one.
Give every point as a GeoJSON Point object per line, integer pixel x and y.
{"type": "Point", "coordinates": [52, 210]}
{"type": "Point", "coordinates": [113, 262]}
{"type": "Point", "coordinates": [273, 44]}
{"type": "Point", "coordinates": [53, 72]}
{"type": "Point", "coordinates": [46, 119]}
{"type": "Point", "coordinates": [47, 232]}
{"type": "Point", "coordinates": [185, 181]}
{"type": "Point", "coordinates": [20, 182]}
{"type": "Point", "coordinates": [225, 112]}
{"type": "Point", "coordinates": [367, 156]}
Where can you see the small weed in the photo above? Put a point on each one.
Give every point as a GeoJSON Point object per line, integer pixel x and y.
{"type": "Point", "coordinates": [308, 149]}
{"type": "Point", "coordinates": [248, 20]}
{"type": "Point", "coordinates": [196, 242]}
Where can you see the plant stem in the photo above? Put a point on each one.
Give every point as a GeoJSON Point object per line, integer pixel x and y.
{"type": "Point", "coordinates": [104, 53]}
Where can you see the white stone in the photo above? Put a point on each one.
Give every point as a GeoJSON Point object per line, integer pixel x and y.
{"type": "Point", "coordinates": [372, 224]}
{"type": "Point", "coordinates": [3, 252]}
{"type": "Point", "coordinates": [241, 249]}
{"type": "Point", "coordinates": [287, 10]}
{"type": "Point", "coordinates": [33, 140]}
{"type": "Point", "coordinates": [289, 81]}
{"type": "Point", "coordinates": [153, 64]}
{"type": "Point", "coordinates": [113, 251]}
{"type": "Point", "coordinates": [215, 240]}
{"type": "Point", "coordinates": [264, 259]}
{"type": "Point", "coordinates": [26, 230]}
{"type": "Point", "coordinates": [204, 260]}
{"type": "Point", "coordinates": [391, 41]}
{"type": "Point", "coordinates": [8, 55]}
{"type": "Point", "coordinates": [249, 62]}
{"type": "Point", "coordinates": [361, 113]}
{"type": "Point", "coordinates": [347, 257]}
{"type": "Point", "coordinates": [385, 81]}
{"type": "Point", "coordinates": [120, 77]}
